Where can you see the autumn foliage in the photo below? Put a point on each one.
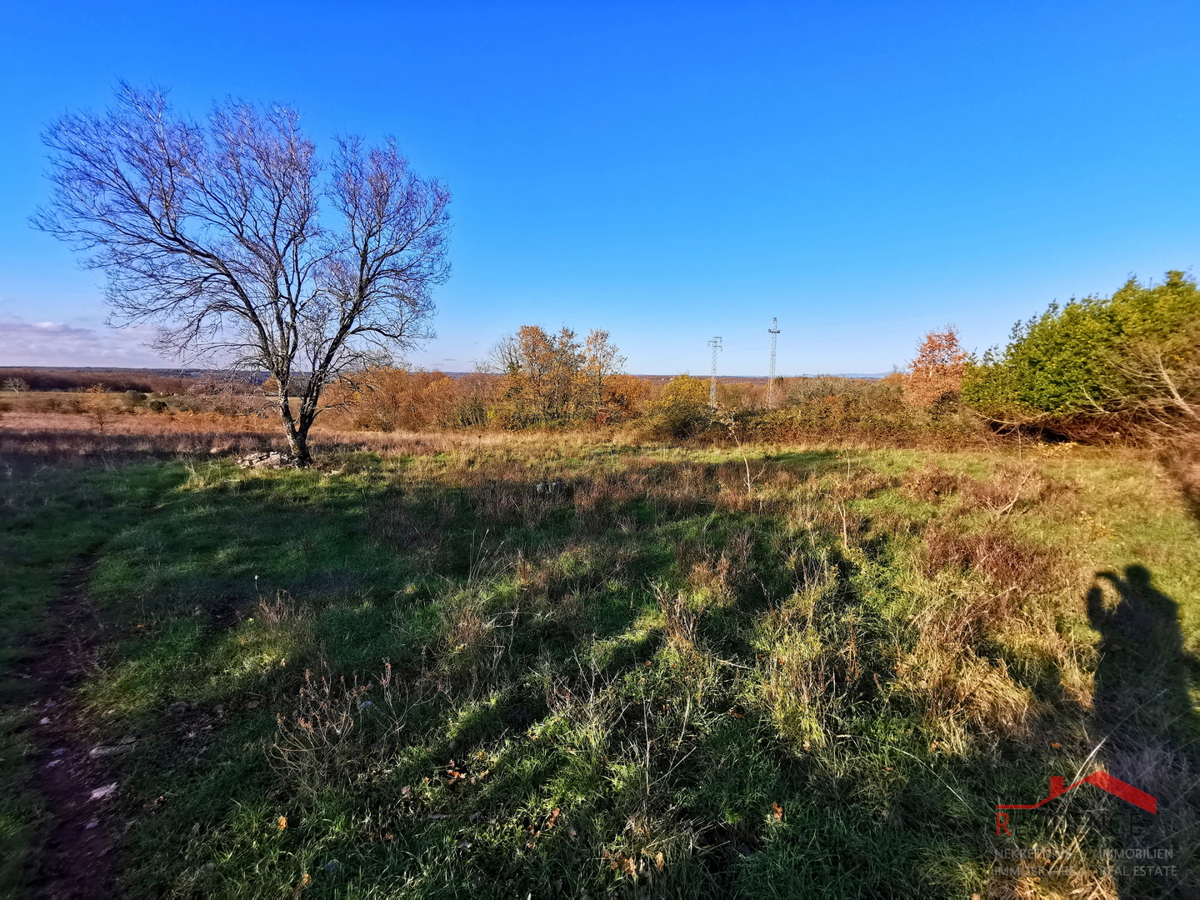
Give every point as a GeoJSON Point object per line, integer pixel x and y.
{"type": "Point", "coordinates": [937, 372]}
{"type": "Point", "coordinates": [554, 379]}
{"type": "Point", "coordinates": [398, 399]}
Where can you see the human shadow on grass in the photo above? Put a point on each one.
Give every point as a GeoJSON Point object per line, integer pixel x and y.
{"type": "Point", "coordinates": [1147, 730]}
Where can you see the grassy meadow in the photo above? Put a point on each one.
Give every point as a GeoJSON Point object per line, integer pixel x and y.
{"type": "Point", "coordinates": [551, 665]}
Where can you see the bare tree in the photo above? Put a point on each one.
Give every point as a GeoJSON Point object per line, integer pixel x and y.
{"type": "Point", "coordinates": [241, 244]}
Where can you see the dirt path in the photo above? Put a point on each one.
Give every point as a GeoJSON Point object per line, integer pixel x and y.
{"type": "Point", "coordinates": [75, 856]}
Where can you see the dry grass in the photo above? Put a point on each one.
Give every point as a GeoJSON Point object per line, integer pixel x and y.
{"type": "Point", "coordinates": [662, 642]}
{"type": "Point", "coordinates": [342, 733]}
{"type": "Point", "coordinates": [61, 435]}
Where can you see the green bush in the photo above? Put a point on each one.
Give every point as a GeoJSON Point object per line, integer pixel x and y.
{"type": "Point", "coordinates": [1068, 363]}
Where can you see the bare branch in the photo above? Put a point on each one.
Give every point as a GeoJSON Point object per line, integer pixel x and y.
{"type": "Point", "coordinates": [215, 233]}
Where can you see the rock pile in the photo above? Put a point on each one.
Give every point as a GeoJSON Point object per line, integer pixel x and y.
{"type": "Point", "coordinates": [272, 460]}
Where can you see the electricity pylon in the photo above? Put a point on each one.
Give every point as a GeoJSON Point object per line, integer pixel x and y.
{"type": "Point", "coordinates": [774, 332]}
{"type": "Point", "coordinates": [715, 343]}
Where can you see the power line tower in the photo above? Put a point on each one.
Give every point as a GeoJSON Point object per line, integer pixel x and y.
{"type": "Point", "coordinates": [774, 332]}
{"type": "Point", "coordinates": [715, 343]}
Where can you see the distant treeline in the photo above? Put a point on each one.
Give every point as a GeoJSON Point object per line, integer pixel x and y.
{"type": "Point", "coordinates": [1097, 368]}
{"type": "Point", "coordinates": [538, 379]}
{"type": "Point", "coordinates": [146, 381]}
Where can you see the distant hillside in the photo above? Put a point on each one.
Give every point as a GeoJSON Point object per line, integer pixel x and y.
{"type": "Point", "coordinates": [175, 381]}
{"type": "Point", "coordinates": [148, 381]}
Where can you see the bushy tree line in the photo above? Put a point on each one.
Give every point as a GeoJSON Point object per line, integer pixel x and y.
{"type": "Point", "coordinates": [386, 398]}
{"type": "Point", "coordinates": [534, 378]}
{"type": "Point", "coordinates": [1129, 360]}
{"type": "Point", "coordinates": [1107, 363]}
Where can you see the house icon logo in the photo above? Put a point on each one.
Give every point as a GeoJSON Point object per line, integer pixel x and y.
{"type": "Point", "coordinates": [1102, 780]}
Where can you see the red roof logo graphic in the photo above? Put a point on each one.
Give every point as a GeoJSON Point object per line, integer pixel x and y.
{"type": "Point", "coordinates": [1102, 780]}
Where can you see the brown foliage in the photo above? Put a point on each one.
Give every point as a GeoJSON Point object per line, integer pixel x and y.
{"type": "Point", "coordinates": [932, 483]}
{"type": "Point", "coordinates": [937, 372]}
{"type": "Point", "coordinates": [552, 379]}
{"type": "Point", "coordinates": [624, 396]}
{"type": "Point", "coordinates": [1010, 567]}
{"type": "Point", "coordinates": [393, 399]}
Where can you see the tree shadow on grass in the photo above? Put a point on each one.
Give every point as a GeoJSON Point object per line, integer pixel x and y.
{"type": "Point", "coordinates": [1147, 727]}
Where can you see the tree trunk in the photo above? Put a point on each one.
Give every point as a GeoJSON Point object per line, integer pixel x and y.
{"type": "Point", "coordinates": [296, 432]}
{"type": "Point", "coordinates": [298, 445]}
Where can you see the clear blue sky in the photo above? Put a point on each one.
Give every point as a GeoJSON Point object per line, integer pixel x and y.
{"type": "Point", "coordinates": [674, 171]}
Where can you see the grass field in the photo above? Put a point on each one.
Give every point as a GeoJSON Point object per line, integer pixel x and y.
{"type": "Point", "coordinates": [665, 673]}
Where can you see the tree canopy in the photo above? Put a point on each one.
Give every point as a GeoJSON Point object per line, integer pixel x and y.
{"type": "Point", "coordinates": [1082, 359]}
{"type": "Point", "coordinates": [236, 239]}
{"type": "Point", "coordinates": [552, 379]}
{"type": "Point", "coordinates": [937, 371]}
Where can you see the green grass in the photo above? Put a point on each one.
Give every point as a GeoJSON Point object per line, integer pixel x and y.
{"type": "Point", "coordinates": [655, 682]}
{"type": "Point", "coordinates": [51, 518]}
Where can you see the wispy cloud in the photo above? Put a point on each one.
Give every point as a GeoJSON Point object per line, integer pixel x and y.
{"type": "Point", "coordinates": [25, 343]}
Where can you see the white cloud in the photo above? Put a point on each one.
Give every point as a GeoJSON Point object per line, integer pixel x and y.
{"type": "Point", "coordinates": [24, 343]}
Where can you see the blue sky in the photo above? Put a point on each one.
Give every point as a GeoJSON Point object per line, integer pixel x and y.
{"type": "Point", "coordinates": [674, 171]}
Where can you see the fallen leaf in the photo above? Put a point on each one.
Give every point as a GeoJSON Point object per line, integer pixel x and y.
{"type": "Point", "coordinates": [553, 818]}
{"type": "Point", "coordinates": [1055, 746]}
{"type": "Point", "coordinates": [777, 811]}
{"type": "Point", "coordinates": [282, 822]}
{"type": "Point", "coordinates": [625, 865]}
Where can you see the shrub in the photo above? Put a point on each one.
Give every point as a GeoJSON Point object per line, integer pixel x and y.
{"type": "Point", "coordinates": [936, 375]}
{"type": "Point", "coordinates": [132, 399]}
{"type": "Point", "coordinates": [681, 410]}
{"type": "Point", "coordinates": [1073, 362]}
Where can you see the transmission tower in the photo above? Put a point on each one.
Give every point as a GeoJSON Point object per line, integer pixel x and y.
{"type": "Point", "coordinates": [774, 332]}
{"type": "Point", "coordinates": [715, 343]}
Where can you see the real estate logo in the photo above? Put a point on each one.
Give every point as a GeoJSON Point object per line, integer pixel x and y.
{"type": "Point", "coordinates": [1102, 780]}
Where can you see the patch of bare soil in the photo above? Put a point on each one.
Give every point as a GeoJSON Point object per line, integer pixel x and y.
{"type": "Point", "coordinates": [76, 855]}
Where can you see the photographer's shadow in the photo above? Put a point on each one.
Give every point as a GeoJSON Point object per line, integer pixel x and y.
{"type": "Point", "coordinates": [1145, 723]}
